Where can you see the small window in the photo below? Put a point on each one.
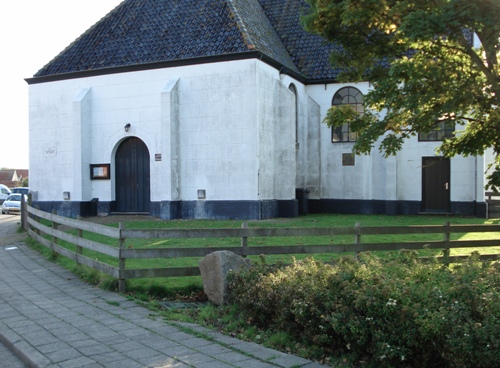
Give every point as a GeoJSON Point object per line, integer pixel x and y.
{"type": "Point", "coordinates": [347, 96]}
{"type": "Point", "coordinates": [442, 130]}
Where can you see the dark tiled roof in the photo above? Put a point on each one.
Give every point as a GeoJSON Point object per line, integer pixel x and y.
{"type": "Point", "coordinates": [148, 31]}
{"type": "Point", "coordinates": [309, 52]}
{"type": "Point", "coordinates": [139, 32]}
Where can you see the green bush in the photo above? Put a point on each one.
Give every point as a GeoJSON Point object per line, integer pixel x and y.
{"type": "Point", "coordinates": [397, 313]}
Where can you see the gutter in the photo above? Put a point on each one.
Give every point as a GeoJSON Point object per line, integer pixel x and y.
{"type": "Point", "coordinates": [176, 63]}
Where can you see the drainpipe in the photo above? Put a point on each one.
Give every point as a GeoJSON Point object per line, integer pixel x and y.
{"type": "Point", "coordinates": [397, 186]}
{"type": "Point", "coordinates": [475, 186]}
{"type": "Point", "coordinates": [476, 192]}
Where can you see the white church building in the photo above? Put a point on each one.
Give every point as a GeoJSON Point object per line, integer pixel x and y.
{"type": "Point", "coordinates": [213, 109]}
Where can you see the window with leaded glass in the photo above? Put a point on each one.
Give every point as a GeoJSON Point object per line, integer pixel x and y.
{"type": "Point", "coordinates": [347, 96]}
{"type": "Point", "coordinates": [442, 130]}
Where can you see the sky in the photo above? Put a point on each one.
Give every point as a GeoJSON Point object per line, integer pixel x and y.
{"type": "Point", "coordinates": [33, 32]}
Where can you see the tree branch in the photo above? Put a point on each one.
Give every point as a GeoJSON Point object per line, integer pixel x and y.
{"type": "Point", "coordinates": [490, 76]}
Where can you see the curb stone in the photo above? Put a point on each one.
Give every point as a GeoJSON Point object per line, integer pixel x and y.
{"type": "Point", "coordinates": [50, 318]}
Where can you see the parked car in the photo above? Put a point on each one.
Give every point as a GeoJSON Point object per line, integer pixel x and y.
{"type": "Point", "coordinates": [12, 203]}
{"type": "Point", "coordinates": [4, 192]}
{"type": "Point", "coordinates": [23, 190]}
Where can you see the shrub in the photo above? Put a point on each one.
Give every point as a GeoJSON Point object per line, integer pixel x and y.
{"type": "Point", "coordinates": [401, 312]}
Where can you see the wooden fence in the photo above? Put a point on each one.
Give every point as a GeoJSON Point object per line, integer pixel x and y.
{"type": "Point", "coordinates": [53, 234]}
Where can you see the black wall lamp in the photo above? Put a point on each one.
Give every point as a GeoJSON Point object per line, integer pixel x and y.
{"type": "Point", "coordinates": [127, 127]}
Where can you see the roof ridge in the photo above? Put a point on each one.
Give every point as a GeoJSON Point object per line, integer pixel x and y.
{"type": "Point", "coordinates": [240, 24]}
{"type": "Point", "coordinates": [258, 32]}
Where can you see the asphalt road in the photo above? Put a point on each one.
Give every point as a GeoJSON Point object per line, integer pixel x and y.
{"type": "Point", "coordinates": [9, 227]}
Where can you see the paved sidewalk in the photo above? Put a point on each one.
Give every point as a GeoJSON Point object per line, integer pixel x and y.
{"type": "Point", "coordinates": [8, 359]}
{"type": "Point", "coordinates": [49, 318]}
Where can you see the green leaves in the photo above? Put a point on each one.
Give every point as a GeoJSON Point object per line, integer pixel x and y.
{"type": "Point", "coordinates": [393, 313]}
{"type": "Point", "coordinates": [420, 60]}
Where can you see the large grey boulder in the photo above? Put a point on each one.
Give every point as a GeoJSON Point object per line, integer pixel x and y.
{"type": "Point", "coordinates": [214, 269]}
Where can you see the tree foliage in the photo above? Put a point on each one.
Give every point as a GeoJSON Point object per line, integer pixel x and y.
{"type": "Point", "coordinates": [422, 67]}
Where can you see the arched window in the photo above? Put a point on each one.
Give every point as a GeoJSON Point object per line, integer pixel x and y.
{"type": "Point", "coordinates": [347, 96]}
{"type": "Point", "coordinates": [293, 89]}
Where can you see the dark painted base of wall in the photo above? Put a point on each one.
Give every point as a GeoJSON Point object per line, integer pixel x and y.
{"type": "Point", "coordinates": [67, 208]}
{"type": "Point", "coordinates": [376, 207]}
{"type": "Point", "coordinates": [255, 210]}
{"type": "Point", "coordinates": [222, 210]}
{"type": "Point", "coordinates": [170, 210]}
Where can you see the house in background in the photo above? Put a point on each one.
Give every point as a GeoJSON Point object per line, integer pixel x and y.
{"type": "Point", "coordinates": [213, 109]}
{"type": "Point", "coordinates": [13, 177]}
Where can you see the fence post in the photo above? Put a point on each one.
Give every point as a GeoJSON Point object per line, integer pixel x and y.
{"type": "Point", "coordinates": [37, 219]}
{"type": "Point", "coordinates": [55, 240]}
{"type": "Point", "coordinates": [244, 240]}
{"type": "Point", "coordinates": [121, 262]}
{"type": "Point", "coordinates": [24, 214]}
{"type": "Point", "coordinates": [357, 237]}
{"type": "Point", "coordinates": [79, 249]}
{"type": "Point", "coordinates": [446, 251]}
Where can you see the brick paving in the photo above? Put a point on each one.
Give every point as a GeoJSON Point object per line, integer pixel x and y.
{"type": "Point", "coordinates": [50, 318]}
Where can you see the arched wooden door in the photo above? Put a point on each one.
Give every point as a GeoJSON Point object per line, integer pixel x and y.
{"type": "Point", "coordinates": [132, 176]}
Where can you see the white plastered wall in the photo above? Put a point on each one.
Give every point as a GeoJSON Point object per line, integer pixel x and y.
{"type": "Point", "coordinates": [466, 176]}
{"type": "Point", "coordinates": [276, 131]}
{"type": "Point", "coordinates": [201, 124]}
{"type": "Point", "coordinates": [227, 128]}
{"type": "Point", "coordinates": [393, 178]}
{"type": "Point", "coordinates": [217, 133]}
{"type": "Point", "coordinates": [369, 178]}
{"type": "Point", "coordinates": [308, 147]}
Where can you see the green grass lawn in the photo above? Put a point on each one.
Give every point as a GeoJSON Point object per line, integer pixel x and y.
{"type": "Point", "coordinates": [324, 220]}
{"type": "Point", "coordinates": [299, 222]}
{"type": "Point", "coordinates": [228, 319]}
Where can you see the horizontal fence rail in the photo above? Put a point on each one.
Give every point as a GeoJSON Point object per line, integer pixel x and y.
{"type": "Point", "coordinates": [53, 234]}
{"type": "Point", "coordinates": [316, 231]}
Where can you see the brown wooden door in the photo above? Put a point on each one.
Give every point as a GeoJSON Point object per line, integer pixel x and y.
{"type": "Point", "coordinates": [435, 184]}
{"type": "Point", "coordinates": [132, 176]}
